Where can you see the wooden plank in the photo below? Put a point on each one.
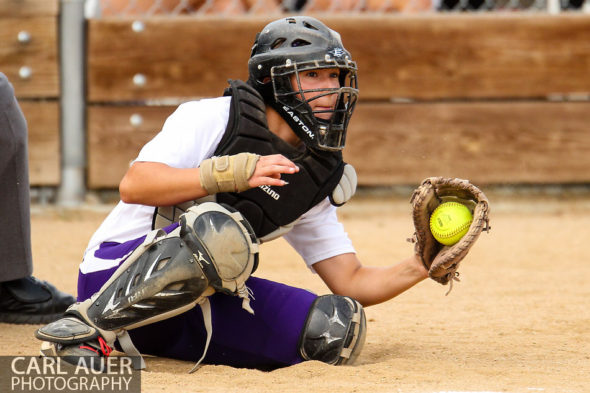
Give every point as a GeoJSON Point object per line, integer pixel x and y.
{"type": "Point", "coordinates": [16, 8]}
{"type": "Point", "coordinates": [209, 52]}
{"type": "Point", "coordinates": [113, 141]}
{"type": "Point", "coordinates": [493, 142]}
{"type": "Point", "coordinates": [398, 144]}
{"type": "Point", "coordinates": [485, 55]}
{"type": "Point", "coordinates": [40, 55]}
{"type": "Point", "coordinates": [44, 142]}
{"type": "Point", "coordinates": [422, 57]}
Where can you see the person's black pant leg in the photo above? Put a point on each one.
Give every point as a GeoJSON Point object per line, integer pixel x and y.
{"type": "Point", "coordinates": [15, 231]}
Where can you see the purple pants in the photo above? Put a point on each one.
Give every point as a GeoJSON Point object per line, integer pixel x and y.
{"type": "Point", "coordinates": [268, 339]}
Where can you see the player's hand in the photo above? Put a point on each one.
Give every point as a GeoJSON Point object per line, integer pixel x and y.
{"type": "Point", "coordinates": [269, 169]}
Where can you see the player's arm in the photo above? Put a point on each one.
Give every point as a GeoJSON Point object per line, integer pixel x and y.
{"type": "Point", "coordinates": [345, 275]}
{"type": "Point", "coordinates": [157, 184]}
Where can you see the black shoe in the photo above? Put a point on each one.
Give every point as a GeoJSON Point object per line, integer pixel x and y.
{"type": "Point", "coordinates": [29, 300]}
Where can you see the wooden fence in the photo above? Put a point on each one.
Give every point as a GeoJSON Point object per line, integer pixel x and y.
{"type": "Point", "coordinates": [495, 98]}
{"type": "Point", "coordinates": [29, 58]}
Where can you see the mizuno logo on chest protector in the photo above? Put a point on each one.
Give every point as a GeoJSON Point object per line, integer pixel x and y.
{"type": "Point", "coordinates": [275, 195]}
{"type": "Point", "coordinates": [298, 121]}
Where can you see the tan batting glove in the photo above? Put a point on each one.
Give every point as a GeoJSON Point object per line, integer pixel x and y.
{"type": "Point", "coordinates": [227, 173]}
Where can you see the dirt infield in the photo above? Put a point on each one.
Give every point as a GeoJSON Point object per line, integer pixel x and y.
{"type": "Point", "coordinates": [517, 322]}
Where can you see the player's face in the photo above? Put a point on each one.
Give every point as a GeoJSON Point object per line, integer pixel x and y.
{"type": "Point", "coordinates": [322, 78]}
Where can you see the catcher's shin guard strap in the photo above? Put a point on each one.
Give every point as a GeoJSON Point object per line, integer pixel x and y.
{"type": "Point", "coordinates": [335, 330]}
{"type": "Point", "coordinates": [206, 310]}
{"type": "Point", "coordinates": [130, 350]}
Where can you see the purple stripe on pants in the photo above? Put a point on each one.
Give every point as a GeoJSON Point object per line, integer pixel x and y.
{"type": "Point", "coordinates": [90, 283]}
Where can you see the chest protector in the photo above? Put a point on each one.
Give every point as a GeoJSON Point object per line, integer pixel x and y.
{"type": "Point", "coordinates": [271, 211]}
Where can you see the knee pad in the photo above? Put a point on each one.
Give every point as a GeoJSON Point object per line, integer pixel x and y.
{"type": "Point", "coordinates": [227, 241]}
{"type": "Point", "coordinates": [334, 331]}
{"type": "Point", "coordinates": [213, 249]}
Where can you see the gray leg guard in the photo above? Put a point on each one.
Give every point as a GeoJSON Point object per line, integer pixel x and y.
{"type": "Point", "coordinates": [212, 250]}
{"type": "Point", "coordinates": [335, 330]}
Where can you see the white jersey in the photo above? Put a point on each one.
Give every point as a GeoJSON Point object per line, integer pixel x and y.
{"type": "Point", "coordinates": [189, 136]}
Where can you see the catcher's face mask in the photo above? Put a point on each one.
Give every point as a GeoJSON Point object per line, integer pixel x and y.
{"type": "Point", "coordinates": [324, 127]}
{"type": "Point", "coordinates": [282, 51]}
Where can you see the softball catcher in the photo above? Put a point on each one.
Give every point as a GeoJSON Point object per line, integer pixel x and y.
{"type": "Point", "coordinates": [265, 159]}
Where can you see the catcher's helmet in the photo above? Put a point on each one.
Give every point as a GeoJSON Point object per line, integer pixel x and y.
{"type": "Point", "coordinates": [288, 46]}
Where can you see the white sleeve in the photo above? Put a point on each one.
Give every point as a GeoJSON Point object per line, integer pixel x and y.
{"type": "Point", "coordinates": [319, 235]}
{"type": "Point", "coordinates": [189, 135]}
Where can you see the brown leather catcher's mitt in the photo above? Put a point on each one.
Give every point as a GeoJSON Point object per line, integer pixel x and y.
{"type": "Point", "coordinates": [441, 261]}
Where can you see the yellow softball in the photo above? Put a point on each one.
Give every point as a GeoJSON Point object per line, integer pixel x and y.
{"type": "Point", "coordinates": [449, 222]}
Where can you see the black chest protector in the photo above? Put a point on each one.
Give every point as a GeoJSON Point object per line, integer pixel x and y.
{"type": "Point", "coordinates": [270, 208]}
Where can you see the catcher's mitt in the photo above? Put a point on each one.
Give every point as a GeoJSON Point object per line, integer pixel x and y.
{"type": "Point", "coordinates": [442, 261]}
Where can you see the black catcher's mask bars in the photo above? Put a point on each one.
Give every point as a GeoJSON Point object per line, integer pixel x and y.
{"type": "Point", "coordinates": [284, 49]}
